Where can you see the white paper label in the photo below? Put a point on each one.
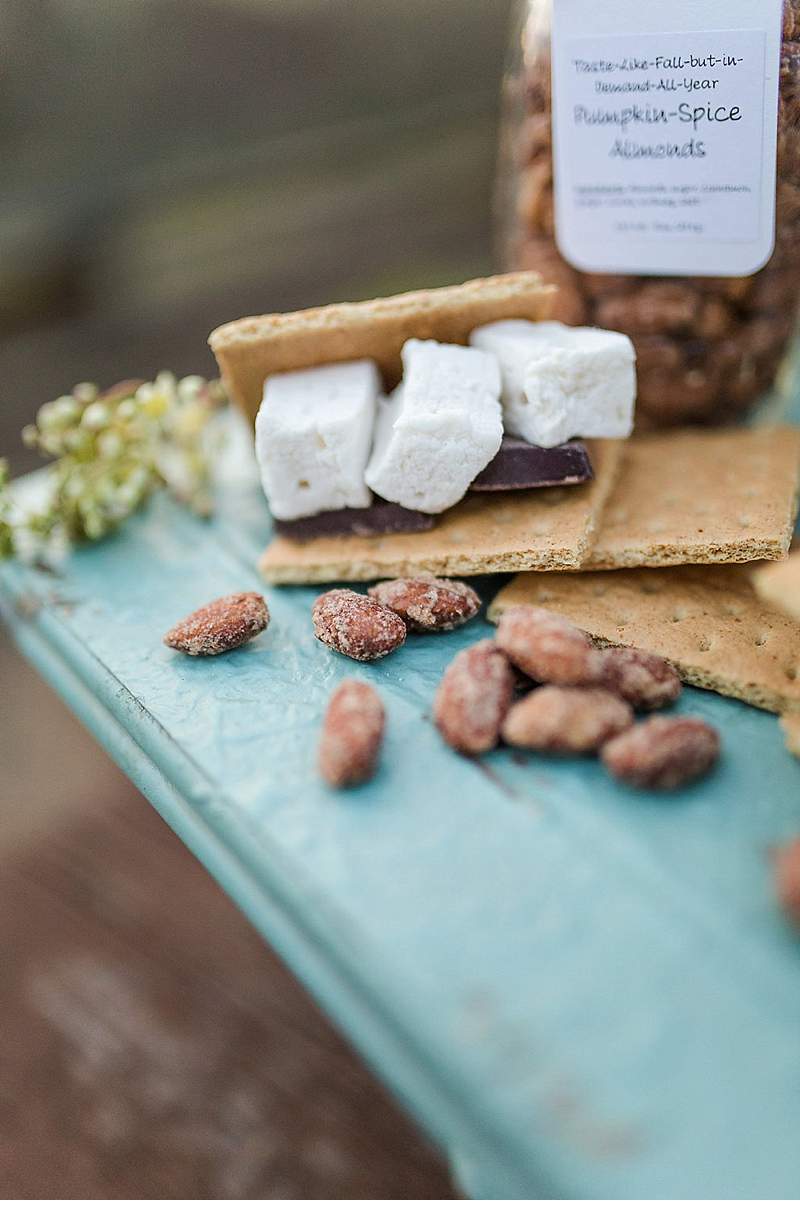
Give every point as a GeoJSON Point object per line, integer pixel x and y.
{"type": "Point", "coordinates": [665, 141]}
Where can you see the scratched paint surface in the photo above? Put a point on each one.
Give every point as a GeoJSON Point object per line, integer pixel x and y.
{"type": "Point", "coordinates": [600, 974]}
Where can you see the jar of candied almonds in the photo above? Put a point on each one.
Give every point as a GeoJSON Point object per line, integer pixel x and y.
{"type": "Point", "coordinates": [650, 168]}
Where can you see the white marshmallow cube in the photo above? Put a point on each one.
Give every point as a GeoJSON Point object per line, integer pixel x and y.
{"type": "Point", "coordinates": [561, 382]}
{"type": "Point", "coordinates": [439, 428]}
{"type": "Point", "coordinates": [313, 437]}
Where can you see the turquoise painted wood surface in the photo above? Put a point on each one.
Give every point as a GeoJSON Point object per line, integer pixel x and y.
{"type": "Point", "coordinates": [580, 990]}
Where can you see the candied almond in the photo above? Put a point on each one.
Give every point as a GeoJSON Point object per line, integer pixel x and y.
{"type": "Point", "coordinates": [226, 623]}
{"type": "Point", "coordinates": [656, 308]}
{"type": "Point", "coordinates": [352, 733]}
{"type": "Point", "coordinates": [786, 874]}
{"type": "Point", "coordinates": [356, 625]}
{"type": "Point", "coordinates": [566, 720]}
{"type": "Point", "coordinates": [644, 679]}
{"type": "Point", "coordinates": [428, 604]}
{"type": "Point", "coordinates": [473, 698]}
{"type": "Point", "coordinates": [662, 752]}
{"type": "Point", "coordinates": [547, 647]}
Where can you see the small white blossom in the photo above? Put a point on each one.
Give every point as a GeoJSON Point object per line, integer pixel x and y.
{"type": "Point", "coordinates": [95, 416]}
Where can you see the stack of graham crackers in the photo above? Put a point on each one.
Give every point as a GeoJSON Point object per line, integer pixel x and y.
{"type": "Point", "coordinates": [669, 547]}
{"type": "Point", "coordinates": [688, 562]}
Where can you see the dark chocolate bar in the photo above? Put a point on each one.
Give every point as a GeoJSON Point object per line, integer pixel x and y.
{"type": "Point", "coordinates": [521, 465]}
{"type": "Point", "coordinates": [517, 465]}
{"type": "Point", "coordinates": [381, 518]}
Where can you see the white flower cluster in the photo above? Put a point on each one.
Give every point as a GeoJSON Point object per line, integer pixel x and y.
{"type": "Point", "coordinates": [110, 451]}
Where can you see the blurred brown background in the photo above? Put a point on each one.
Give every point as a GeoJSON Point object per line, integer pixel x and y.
{"type": "Point", "coordinates": [168, 165]}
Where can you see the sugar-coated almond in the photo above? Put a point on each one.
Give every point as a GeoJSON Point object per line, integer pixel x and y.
{"type": "Point", "coordinates": [566, 720]}
{"type": "Point", "coordinates": [644, 679]}
{"type": "Point", "coordinates": [786, 871]}
{"type": "Point", "coordinates": [428, 604]}
{"type": "Point", "coordinates": [352, 733]}
{"type": "Point", "coordinates": [547, 647]}
{"type": "Point", "coordinates": [226, 623]}
{"type": "Point", "coordinates": [473, 698]}
{"type": "Point", "coordinates": [356, 625]}
{"type": "Point", "coordinates": [662, 752]}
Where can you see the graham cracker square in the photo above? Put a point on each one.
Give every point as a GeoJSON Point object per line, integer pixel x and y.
{"type": "Point", "coordinates": [250, 349]}
{"type": "Point", "coordinates": [779, 584]}
{"type": "Point", "coordinates": [699, 497]}
{"type": "Point", "coordinates": [708, 621]}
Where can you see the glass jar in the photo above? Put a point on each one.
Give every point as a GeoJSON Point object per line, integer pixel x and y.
{"type": "Point", "coordinates": [709, 348]}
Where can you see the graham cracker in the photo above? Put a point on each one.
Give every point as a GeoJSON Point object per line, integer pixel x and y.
{"type": "Point", "coordinates": [699, 497]}
{"type": "Point", "coordinates": [707, 621]}
{"type": "Point", "coordinates": [790, 724]}
{"type": "Point", "coordinates": [484, 533]}
{"type": "Point", "coordinates": [250, 349]}
{"type": "Point", "coordinates": [779, 585]}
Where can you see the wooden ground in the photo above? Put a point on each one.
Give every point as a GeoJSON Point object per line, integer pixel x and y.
{"type": "Point", "coordinates": [151, 1046]}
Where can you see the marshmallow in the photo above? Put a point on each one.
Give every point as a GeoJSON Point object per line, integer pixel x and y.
{"type": "Point", "coordinates": [438, 429]}
{"type": "Point", "coordinates": [313, 435]}
{"type": "Point", "coordinates": [561, 382]}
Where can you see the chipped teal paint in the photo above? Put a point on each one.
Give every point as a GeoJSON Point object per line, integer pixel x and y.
{"type": "Point", "coordinates": [580, 990]}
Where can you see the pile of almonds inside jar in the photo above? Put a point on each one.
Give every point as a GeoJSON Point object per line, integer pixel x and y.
{"type": "Point", "coordinates": [707, 348]}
